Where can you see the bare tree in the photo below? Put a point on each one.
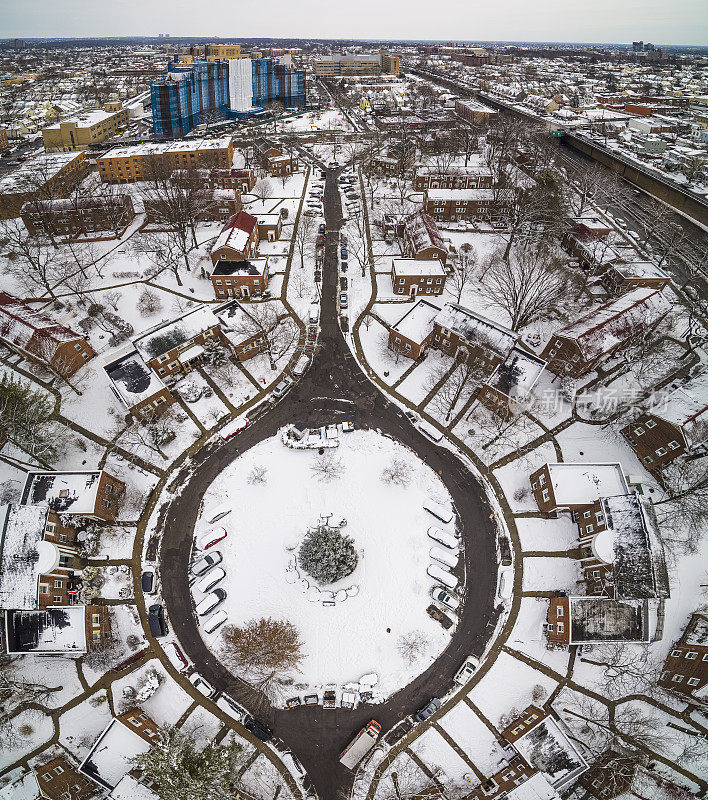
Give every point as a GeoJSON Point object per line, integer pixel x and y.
{"type": "Point", "coordinates": [304, 238]}
{"type": "Point", "coordinates": [527, 286]}
{"type": "Point", "coordinates": [454, 385]}
{"type": "Point", "coordinates": [407, 781]}
{"type": "Point", "coordinates": [626, 669]}
{"type": "Point", "coordinates": [683, 512]}
{"type": "Point", "coordinates": [463, 271]}
{"type": "Point", "coordinates": [326, 467]}
{"type": "Point", "coordinates": [30, 260]}
{"type": "Point", "coordinates": [263, 189]}
{"type": "Point", "coordinates": [398, 472]}
{"type": "Point", "coordinates": [276, 333]}
{"type": "Point", "coordinates": [412, 646]}
{"type": "Point", "coordinates": [258, 475]}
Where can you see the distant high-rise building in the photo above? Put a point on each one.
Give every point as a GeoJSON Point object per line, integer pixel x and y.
{"type": "Point", "coordinates": [638, 46]}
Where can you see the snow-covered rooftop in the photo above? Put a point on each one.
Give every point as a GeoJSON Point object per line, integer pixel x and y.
{"type": "Point", "coordinates": [476, 329]}
{"type": "Point", "coordinates": [128, 788]}
{"type": "Point", "coordinates": [687, 407]}
{"type": "Point", "coordinates": [605, 619]}
{"type": "Point", "coordinates": [54, 630]}
{"type": "Point", "coordinates": [576, 484]}
{"type": "Point", "coordinates": [162, 338]}
{"type": "Point", "coordinates": [21, 532]}
{"type": "Point", "coordinates": [161, 148]}
{"type": "Point", "coordinates": [423, 232]}
{"type": "Point", "coordinates": [112, 756]}
{"type": "Point", "coordinates": [236, 232]}
{"type": "Point", "coordinates": [536, 787]}
{"type": "Point", "coordinates": [63, 492]}
{"type": "Point", "coordinates": [546, 747]}
{"type": "Point", "coordinates": [516, 376]}
{"type": "Point", "coordinates": [25, 787]}
{"type": "Point", "coordinates": [252, 266]}
{"type": "Point", "coordinates": [417, 323]}
{"type": "Point", "coordinates": [416, 267]}
{"type": "Point", "coordinates": [460, 194]}
{"type": "Point", "coordinates": [132, 379]}
{"type": "Point", "coordinates": [36, 171]}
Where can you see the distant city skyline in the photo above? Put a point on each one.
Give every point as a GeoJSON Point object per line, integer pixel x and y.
{"type": "Point", "coordinates": [681, 22]}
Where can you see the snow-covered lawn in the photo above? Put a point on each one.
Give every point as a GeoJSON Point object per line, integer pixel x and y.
{"type": "Point", "coordinates": [548, 534]}
{"type": "Point", "coordinates": [474, 737]}
{"type": "Point", "coordinates": [358, 635]}
{"type": "Point", "coordinates": [551, 574]}
{"type": "Point", "coordinates": [438, 755]}
{"type": "Point", "coordinates": [26, 732]}
{"type": "Point", "coordinates": [80, 726]}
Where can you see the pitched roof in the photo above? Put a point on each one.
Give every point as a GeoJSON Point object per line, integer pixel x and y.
{"type": "Point", "coordinates": [603, 328]}
{"type": "Point", "coordinates": [423, 232]}
{"type": "Point", "coordinates": [476, 329]}
{"type": "Point", "coordinates": [236, 231]}
{"type": "Point", "coordinates": [30, 330]}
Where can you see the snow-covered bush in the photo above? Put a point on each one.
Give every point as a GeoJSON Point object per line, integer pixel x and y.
{"type": "Point", "coordinates": [413, 645]}
{"type": "Point", "coordinates": [327, 555]}
{"type": "Point", "coordinates": [397, 472]}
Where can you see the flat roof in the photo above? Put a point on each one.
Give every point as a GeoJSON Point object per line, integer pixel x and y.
{"type": "Point", "coordinates": [417, 267]}
{"type": "Point", "coordinates": [132, 379]}
{"type": "Point", "coordinates": [112, 756]}
{"type": "Point", "coordinates": [36, 171]}
{"type": "Point", "coordinates": [54, 630]}
{"type": "Point", "coordinates": [21, 532]}
{"type": "Point", "coordinates": [254, 266]}
{"type": "Point", "coordinates": [417, 323]}
{"type": "Point", "coordinates": [160, 148]}
{"type": "Point", "coordinates": [547, 748]}
{"type": "Point", "coordinates": [576, 484]}
{"type": "Point", "coordinates": [605, 619]}
{"type": "Point", "coordinates": [63, 492]}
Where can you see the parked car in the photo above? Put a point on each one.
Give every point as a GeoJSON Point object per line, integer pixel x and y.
{"type": "Point", "coordinates": [302, 364]}
{"type": "Point", "coordinates": [506, 583]}
{"type": "Point", "coordinates": [314, 313]}
{"type": "Point", "coordinates": [320, 240]}
{"type": "Point", "coordinates": [429, 430]}
{"type": "Point", "coordinates": [230, 706]}
{"type": "Point", "coordinates": [209, 581]}
{"type": "Point", "coordinates": [210, 602]}
{"type": "Point", "coordinates": [428, 710]}
{"type": "Point", "coordinates": [444, 556]}
{"type": "Point", "coordinates": [281, 388]}
{"type": "Point", "coordinates": [442, 596]}
{"type": "Point", "coordinates": [231, 430]}
{"type": "Point", "coordinates": [343, 282]}
{"type": "Point", "coordinates": [215, 621]}
{"type": "Point", "coordinates": [343, 300]}
{"type": "Point", "coordinates": [434, 612]}
{"type": "Point", "coordinates": [437, 573]}
{"type": "Point", "coordinates": [322, 228]}
{"type": "Point", "coordinates": [344, 254]}
{"type": "Point", "coordinates": [258, 729]}
{"type": "Point", "coordinates": [343, 239]}
{"type": "Point", "coordinates": [443, 513]}
{"type": "Point", "coordinates": [175, 656]}
{"type": "Point", "coordinates": [207, 561]}
{"type": "Point", "coordinates": [148, 582]}
{"type": "Point", "coordinates": [467, 670]}
{"type": "Point", "coordinates": [156, 621]}
{"type": "Point", "coordinates": [445, 538]}
{"type": "Point", "coordinates": [201, 685]}
{"type": "Point", "coordinates": [211, 537]}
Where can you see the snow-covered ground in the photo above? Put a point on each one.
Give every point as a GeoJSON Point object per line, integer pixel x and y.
{"type": "Point", "coordinates": [360, 634]}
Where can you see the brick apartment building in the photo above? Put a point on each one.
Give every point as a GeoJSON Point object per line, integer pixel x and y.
{"type": "Point", "coordinates": [242, 180]}
{"type": "Point", "coordinates": [412, 276]}
{"type": "Point", "coordinates": [212, 205]}
{"type": "Point", "coordinates": [246, 278]}
{"type": "Point", "coordinates": [462, 333]}
{"type": "Point", "coordinates": [89, 128]}
{"type": "Point", "coordinates": [138, 387]}
{"type": "Point", "coordinates": [88, 494]}
{"type": "Point", "coordinates": [685, 670]}
{"type": "Point", "coordinates": [614, 775]}
{"type": "Point", "coordinates": [238, 239]}
{"type": "Point", "coordinates": [411, 335]}
{"type": "Point", "coordinates": [473, 112]}
{"type": "Point", "coordinates": [274, 161]}
{"type": "Point", "coordinates": [60, 780]}
{"type": "Point", "coordinates": [676, 427]}
{"type": "Point", "coordinates": [579, 347]}
{"type": "Point", "coordinates": [472, 177]}
{"type": "Point", "coordinates": [143, 161]}
{"type": "Point", "coordinates": [450, 205]}
{"type": "Point", "coordinates": [79, 217]}
{"type": "Point", "coordinates": [502, 783]}
{"type": "Point", "coordinates": [47, 176]}
{"type": "Point", "coordinates": [422, 238]}
{"type": "Point", "coordinates": [577, 487]}
{"type": "Point", "coordinates": [174, 348]}
{"type": "Point", "coordinates": [38, 338]}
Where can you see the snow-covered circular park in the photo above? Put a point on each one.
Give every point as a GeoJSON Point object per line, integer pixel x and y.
{"type": "Point", "coordinates": [364, 623]}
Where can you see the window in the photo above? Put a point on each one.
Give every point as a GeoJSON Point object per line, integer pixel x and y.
{"type": "Point", "coordinates": [693, 681]}
{"type": "Point", "coordinates": [95, 619]}
{"type": "Point", "coordinates": [674, 445]}
{"type": "Point", "coordinates": [77, 347]}
{"type": "Point", "coordinates": [47, 776]}
{"type": "Point", "coordinates": [586, 514]}
{"type": "Point", "coordinates": [49, 527]}
{"type": "Point", "coordinates": [106, 503]}
{"type": "Point", "coordinates": [692, 656]}
{"type": "Point", "coordinates": [560, 611]}
{"type": "Point", "coordinates": [677, 679]}
{"type": "Point", "coordinates": [650, 423]}
{"type": "Point", "coordinates": [639, 431]}
{"type": "Point", "coordinates": [648, 459]}
{"type": "Point", "coordinates": [401, 280]}
{"type": "Point", "coordinates": [676, 653]}
{"type": "Point", "coordinates": [549, 626]}
{"type": "Point", "coordinates": [58, 598]}
{"type": "Point", "coordinates": [542, 479]}
{"type": "Point", "coordinates": [58, 584]}
{"type": "Point", "coordinates": [43, 588]}
{"type": "Point", "coordinates": [596, 573]}
{"type": "Point", "coordinates": [561, 627]}
{"type": "Point", "coordinates": [518, 729]}
{"type": "Point", "coordinates": [661, 451]}
{"type": "Point", "coordinates": [545, 495]}
{"type": "Point", "coordinates": [589, 528]}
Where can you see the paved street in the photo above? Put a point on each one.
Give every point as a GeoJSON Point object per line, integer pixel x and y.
{"type": "Point", "coordinates": [333, 389]}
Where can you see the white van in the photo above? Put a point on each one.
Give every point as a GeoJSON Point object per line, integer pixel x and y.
{"type": "Point", "coordinates": [209, 581]}
{"type": "Point", "coordinates": [429, 430]}
{"type": "Point", "coordinates": [441, 575]}
{"type": "Point", "coordinates": [444, 556]}
{"type": "Point", "coordinates": [445, 538]}
{"type": "Point", "coordinates": [443, 513]}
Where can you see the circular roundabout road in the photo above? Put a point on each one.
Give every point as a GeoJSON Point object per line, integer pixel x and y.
{"type": "Point", "coordinates": [333, 389]}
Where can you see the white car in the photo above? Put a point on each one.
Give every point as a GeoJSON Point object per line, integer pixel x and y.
{"type": "Point", "coordinates": [445, 538]}
{"type": "Point", "coordinates": [314, 313]}
{"type": "Point", "coordinates": [209, 581]}
{"type": "Point", "coordinates": [201, 685]}
{"type": "Point", "coordinates": [217, 513]}
{"type": "Point", "coordinates": [506, 584]}
{"type": "Point", "coordinates": [210, 602]}
{"type": "Point", "coordinates": [467, 670]}
{"type": "Point", "coordinates": [215, 621]}
{"type": "Point", "coordinates": [442, 596]}
{"type": "Point", "coordinates": [206, 563]}
{"type": "Point", "coordinates": [444, 556]}
{"type": "Point", "coordinates": [443, 513]}
{"type": "Point", "coordinates": [437, 573]}
{"type": "Point", "coordinates": [302, 364]}
{"type": "Point", "coordinates": [429, 430]}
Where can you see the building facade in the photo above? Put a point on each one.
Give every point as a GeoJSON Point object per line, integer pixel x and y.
{"type": "Point", "coordinates": [451, 205]}
{"type": "Point", "coordinates": [685, 670]}
{"type": "Point", "coordinates": [79, 217]}
{"type": "Point", "coordinates": [414, 276]}
{"type": "Point", "coordinates": [92, 127]}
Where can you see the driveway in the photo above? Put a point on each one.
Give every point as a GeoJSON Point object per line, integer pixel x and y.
{"type": "Point", "coordinates": [334, 388]}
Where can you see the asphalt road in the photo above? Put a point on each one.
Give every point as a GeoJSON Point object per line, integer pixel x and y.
{"type": "Point", "coordinates": [333, 389]}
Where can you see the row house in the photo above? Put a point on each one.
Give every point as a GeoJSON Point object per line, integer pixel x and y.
{"type": "Point", "coordinates": [236, 327]}
{"type": "Point", "coordinates": [411, 335]}
{"type": "Point", "coordinates": [270, 227]}
{"type": "Point", "coordinates": [62, 631]}
{"type": "Point", "coordinates": [542, 741]}
{"type": "Point", "coordinates": [578, 348]}
{"type": "Point", "coordinates": [238, 239]}
{"type": "Point", "coordinates": [586, 620]}
{"type": "Point", "coordinates": [60, 780]}
{"type": "Point", "coordinates": [79, 217]}
{"type": "Point", "coordinates": [94, 494]}
{"type": "Point", "coordinates": [618, 776]}
{"type": "Point", "coordinates": [273, 161]}
{"type": "Point", "coordinates": [240, 180]}
{"type": "Point", "coordinates": [411, 276]}
{"type": "Point", "coordinates": [174, 348]}
{"type": "Point", "coordinates": [39, 338]}
{"type": "Point", "coordinates": [685, 670]}
{"type": "Point", "coordinates": [246, 278]}
{"type": "Point", "coordinates": [422, 238]}
{"type": "Point", "coordinates": [212, 205]}
{"type": "Point", "coordinates": [451, 205]}
{"type": "Point", "coordinates": [137, 387]}
{"type": "Point", "coordinates": [473, 112]}
{"type": "Point", "coordinates": [577, 487]}
{"type": "Point", "coordinates": [516, 780]}
{"type": "Point", "coordinates": [474, 176]}
{"type": "Point", "coordinates": [678, 426]}
{"type": "Point", "coordinates": [236, 273]}
{"type": "Point", "coordinates": [511, 382]}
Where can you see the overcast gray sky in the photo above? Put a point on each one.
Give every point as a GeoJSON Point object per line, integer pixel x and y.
{"type": "Point", "coordinates": [659, 21]}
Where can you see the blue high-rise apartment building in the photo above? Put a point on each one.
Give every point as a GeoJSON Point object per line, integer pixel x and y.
{"type": "Point", "coordinates": [186, 91]}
